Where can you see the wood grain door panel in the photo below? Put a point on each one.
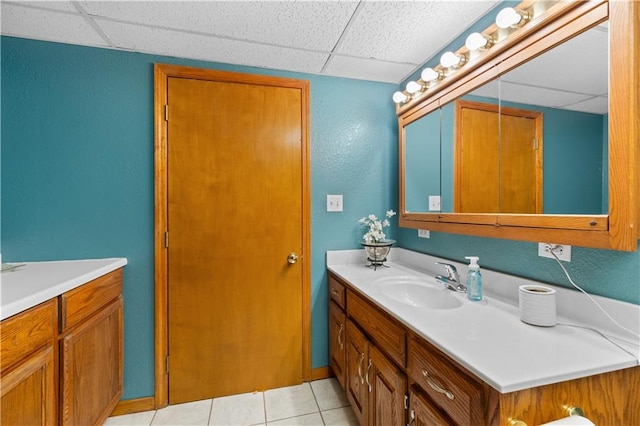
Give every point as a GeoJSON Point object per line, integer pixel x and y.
{"type": "Point", "coordinates": [498, 159]}
{"type": "Point", "coordinates": [234, 214]}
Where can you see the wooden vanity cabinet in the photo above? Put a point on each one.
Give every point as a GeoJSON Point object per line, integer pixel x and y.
{"type": "Point", "coordinates": [376, 387]}
{"type": "Point", "coordinates": [28, 364]}
{"type": "Point", "coordinates": [422, 412]}
{"type": "Point", "coordinates": [446, 386]}
{"type": "Point", "coordinates": [384, 358]}
{"type": "Point", "coordinates": [376, 383]}
{"type": "Point", "coordinates": [91, 350]}
{"type": "Point", "coordinates": [337, 330]}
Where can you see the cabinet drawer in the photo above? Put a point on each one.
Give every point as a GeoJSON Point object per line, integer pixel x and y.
{"type": "Point", "coordinates": [79, 303]}
{"type": "Point", "coordinates": [457, 394]}
{"type": "Point", "coordinates": [388, 334]}
{"type": "Point", "coordinates": [337, 291]}
{"type": "Point", "coordinates": [25, 332]}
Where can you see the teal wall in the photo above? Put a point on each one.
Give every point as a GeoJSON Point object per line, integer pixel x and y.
{"type": "Point", "coordinates": [77, 170]}
{"type": "Point", "coordinates": [422, 161]}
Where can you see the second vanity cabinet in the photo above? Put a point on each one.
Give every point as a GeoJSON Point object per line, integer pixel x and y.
{"type": "Point", "coordinates": [62, 360]}
{"type": "Point", "coordinates": [27, 359]}
{"type": "Point", "coordinates": [91, 350]}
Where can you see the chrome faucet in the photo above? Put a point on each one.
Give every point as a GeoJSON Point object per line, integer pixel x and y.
{"type": "Point", "coordinates": [452, 280]}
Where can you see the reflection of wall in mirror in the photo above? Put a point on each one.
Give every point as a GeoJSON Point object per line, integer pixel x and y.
{"type": "Point", "coordinates": [575, 159]}
{"type": "Point", "coordinates": [422, 162]}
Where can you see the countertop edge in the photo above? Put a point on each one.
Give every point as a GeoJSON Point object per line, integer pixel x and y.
{"type": "Point", "coordinates": [49, 292]}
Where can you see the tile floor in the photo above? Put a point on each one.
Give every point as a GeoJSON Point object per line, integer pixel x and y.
{"type": "Point", "coordinates": [321, 402]}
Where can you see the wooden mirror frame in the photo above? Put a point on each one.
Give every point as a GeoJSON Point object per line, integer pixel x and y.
{"type": "Point", "coordinates": [619, 229]}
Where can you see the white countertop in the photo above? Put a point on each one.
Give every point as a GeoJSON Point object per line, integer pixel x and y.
{"type": "Point", "coordinates": [488, 337]}
{"type": "Point", "coordinates": [37, 282]}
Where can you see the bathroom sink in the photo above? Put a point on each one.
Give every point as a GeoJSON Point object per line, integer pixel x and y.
{"type": "Point", "coordinates": [416, 292]}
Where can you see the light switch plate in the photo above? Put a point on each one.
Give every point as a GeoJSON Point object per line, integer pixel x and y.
{"type": "Point", "coordinates": [424, 233]}
{"type": "Point", "coordinates": [334, 203]}
{"type": "Point", "coordinates": [434, 203]}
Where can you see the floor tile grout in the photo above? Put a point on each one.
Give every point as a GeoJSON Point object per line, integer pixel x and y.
{"type": "Point", "coordinates": [315, 407]}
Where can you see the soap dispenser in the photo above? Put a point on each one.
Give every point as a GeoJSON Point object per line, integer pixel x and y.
{"type": "Point", "coordinates": [474, 280]}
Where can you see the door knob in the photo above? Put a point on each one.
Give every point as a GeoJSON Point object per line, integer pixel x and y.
{"type": "Point", "coordinates": [292, 258]}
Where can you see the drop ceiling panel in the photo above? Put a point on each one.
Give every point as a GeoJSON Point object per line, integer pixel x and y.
{"type": "Point", "coordinates": [366, 69]}
{"type": "Point", "coordinates": [596, 105]}
{"type": "Point", "coordinates": [60, 6]}
{"type": "Point", "coordinates": [315, 25]}
{"type": "Point", "coordinates": [538, 95]}
{"type": "Point", "coordinates": [579, 65]}
{"type": "Point", "coordinates": [37, 24]}
{"type": "Point", "coordinates": [408, 31]}
{"type": "Point", "coordinates": [195, 46]}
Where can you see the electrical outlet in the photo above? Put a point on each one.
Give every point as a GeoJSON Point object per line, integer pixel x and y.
{"type": "Point", "coordinates": [434, 203]}
{"type": "Point", "coordinates": [563, 251]}
{"type": "Point", "coordinates": [334, 203]}
{"type": "Point", "coordinates": [423, 233]}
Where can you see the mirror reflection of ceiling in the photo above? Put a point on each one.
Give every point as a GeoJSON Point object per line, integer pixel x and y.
{"type": "Point", "coordinates": [384, 41]}
{"type": "Point", "coordinates": [572, 76]}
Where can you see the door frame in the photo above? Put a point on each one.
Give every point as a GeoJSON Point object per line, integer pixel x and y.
{"type": "Point", "coordinates": [162, 73]}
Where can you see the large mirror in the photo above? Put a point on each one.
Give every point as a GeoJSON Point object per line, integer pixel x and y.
{"type": "Point", "coordinates": [560, 121]}
{"type": "Point", "coordinates": [533, 142]}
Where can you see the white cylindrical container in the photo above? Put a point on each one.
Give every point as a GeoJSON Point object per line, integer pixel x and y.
{"type": "Point", "coordinates": [537, 305]}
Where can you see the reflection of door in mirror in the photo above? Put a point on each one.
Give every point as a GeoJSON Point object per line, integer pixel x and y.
{"type": "Point", "coordinates": [497, 174]}
{"type": "Point", "coordinates": [569, 85]}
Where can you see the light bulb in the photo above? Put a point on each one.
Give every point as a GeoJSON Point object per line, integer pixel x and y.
{"type": "Point", "coordinates": [508, 17]}
{"type": "Point", "coordinates": [477, 41]}
{"type": "Point", "coordinates": [450, 59]}
{"type": "Point", "coordinates": [399, 97]}
{"type": "Point", "coordinates": [413, 87]}
{"type": "Point", "coordinates": [429, 74]}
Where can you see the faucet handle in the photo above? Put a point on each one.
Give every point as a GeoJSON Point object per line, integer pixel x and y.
{"type": "Point", "coordinates": [451, 270]}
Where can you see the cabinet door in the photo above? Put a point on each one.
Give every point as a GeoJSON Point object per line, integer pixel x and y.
{"type": "Point", "coordinates": [387, 386]}
{"type": "Point", "coordinates": [91, 367]}
{"type": "Point", "coordinates": [28, 391]}
{"type": "Point", "coordinates": [337, 340]}
{"type": "Point", "coordinates": [357, 350]}
{"type": "Point", "coordinates": [421, 413]}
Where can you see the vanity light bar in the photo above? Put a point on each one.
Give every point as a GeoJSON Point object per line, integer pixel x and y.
{"type": "Point", "coordinates": [507, 18]}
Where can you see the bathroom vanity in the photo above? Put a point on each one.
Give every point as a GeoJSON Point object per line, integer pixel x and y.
{"type": "Point", "coordinates": [61, 348]}
{"type": "Point", "coordinates": [408, 351]}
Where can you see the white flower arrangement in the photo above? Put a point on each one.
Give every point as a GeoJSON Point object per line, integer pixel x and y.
{"type": "Point", "coordinates": [375, 225]}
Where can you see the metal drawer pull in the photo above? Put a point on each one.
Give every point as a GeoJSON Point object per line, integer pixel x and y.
{"type": "Point", "coordinates": [436, 386]}
{"type": "Point", "coordinates": [360, 368]}
{"type": "Point", "coordinates": [334, 291]}
{"type": "Point", "coordinates": [366, 377]}
{"type": "Point", "coordinates": [340, 334]}
{"type": "Point", "coordinates": [412, 417]}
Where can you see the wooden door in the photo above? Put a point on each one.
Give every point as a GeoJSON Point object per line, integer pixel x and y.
{"type": "Point", "coordinates": [520, 163]}
{"type": "Point", "coordinates": [498, 159]}
{"type": "Point", "coordinates": [337, 339]}
{"type": "Point", "coordinates": [235, 213]}
{"type": "Point", "coordinates": [388, 387]}
{"type": "Point", "coordinates": [357, 350]}
{"type": "Point", "coordinates": [476, 159]}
